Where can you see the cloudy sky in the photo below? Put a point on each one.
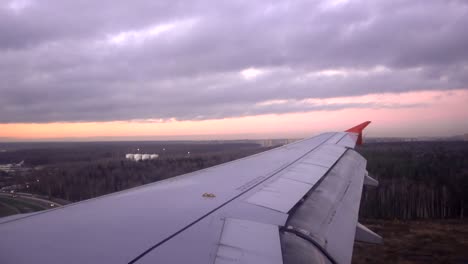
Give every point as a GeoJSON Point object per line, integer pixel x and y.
{"type": "Point", "coordinates": [233, 69]}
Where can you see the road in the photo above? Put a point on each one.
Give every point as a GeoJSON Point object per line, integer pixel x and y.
{"type": "Point", "coordinates": [22, 203]}
{"type": "Point", "coordinates": [35, 198]}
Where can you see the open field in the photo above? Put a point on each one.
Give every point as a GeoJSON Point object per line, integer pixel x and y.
{"type": "Point", "coordinates": [411, 242]}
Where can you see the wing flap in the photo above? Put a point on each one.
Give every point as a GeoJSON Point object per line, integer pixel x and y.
{"type": "Point", "coordinates": [329, 213]}
{"type": "Point", "coordinates": [245, 241]}
{"type": "Point", "coordinates": [293, 183]}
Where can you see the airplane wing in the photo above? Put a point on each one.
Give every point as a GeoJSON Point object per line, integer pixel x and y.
{"type": "Point", "coordinates": [297, 203]}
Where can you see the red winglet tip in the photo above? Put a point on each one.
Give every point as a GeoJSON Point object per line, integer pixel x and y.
{"type": "Point", "coordinates": [358, 129]}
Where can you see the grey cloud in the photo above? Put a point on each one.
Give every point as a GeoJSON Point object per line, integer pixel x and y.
{"type": "Point", "coordinates": [55, 64]}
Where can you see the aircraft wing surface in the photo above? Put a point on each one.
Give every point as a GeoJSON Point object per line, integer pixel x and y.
{"type": "Point", "coordinates": [297, 203]}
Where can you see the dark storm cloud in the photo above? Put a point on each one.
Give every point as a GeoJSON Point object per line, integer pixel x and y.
{"type": "Point", "coordinates": [116, 60]}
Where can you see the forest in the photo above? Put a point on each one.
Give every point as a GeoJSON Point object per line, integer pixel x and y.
{"type": "Point", "coordinates": [78, 171]}
{"type": "Point", "coordinates": [418, 180]}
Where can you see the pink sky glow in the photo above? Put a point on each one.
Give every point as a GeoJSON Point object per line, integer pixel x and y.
{"type": "Point", "coordinates": [411, 114]}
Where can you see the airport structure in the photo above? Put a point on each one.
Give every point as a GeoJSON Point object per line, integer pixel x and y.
{"type": "Point", "coordinates": [12, 167]}
{"type": "Point", "coordinates": [138, 156]}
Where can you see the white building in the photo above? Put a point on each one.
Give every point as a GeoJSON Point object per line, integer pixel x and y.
{"type": "Point", "coordinates": [137, 157]}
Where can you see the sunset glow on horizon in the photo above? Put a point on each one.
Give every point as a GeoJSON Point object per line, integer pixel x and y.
{"type": "Point", "coordinates": [412, 114]}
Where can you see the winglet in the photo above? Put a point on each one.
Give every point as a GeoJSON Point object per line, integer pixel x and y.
{"type": "Point", "coordinates": [358, 129]}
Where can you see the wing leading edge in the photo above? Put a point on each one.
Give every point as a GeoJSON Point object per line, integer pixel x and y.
{"type": "Point", "coordinates": [294, 204]}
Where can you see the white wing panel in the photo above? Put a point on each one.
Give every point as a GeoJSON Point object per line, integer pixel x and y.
{"type": "Point", "coordinates": [283, 193]}
{"type": "Point", "coordinates": [348, 141]}
{"type": "Point", "coordinates": [245, 241]}
{"type": "Point", "coordinates": [280, 195]}
{"type": "Point", "coordinates": [305, 172]}
{"type": "Point", "coordinates": [336, 138]}
{"type": "Point", "coordinates": [325, 156]}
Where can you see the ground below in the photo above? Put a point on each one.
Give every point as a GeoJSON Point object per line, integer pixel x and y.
{"type": "Point", "coordinates": [429, 241]}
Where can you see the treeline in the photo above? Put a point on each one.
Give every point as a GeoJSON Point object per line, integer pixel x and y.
{"type": "Point", "coordinates": [48, 153]}
{"type": "Point", "coordinates": [417, 180]}
{"type": "Point", "coordinates": [75, 181]}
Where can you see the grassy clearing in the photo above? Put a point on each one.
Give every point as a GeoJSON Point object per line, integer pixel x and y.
{"type": "Point", "coordinates": [430, 241]}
